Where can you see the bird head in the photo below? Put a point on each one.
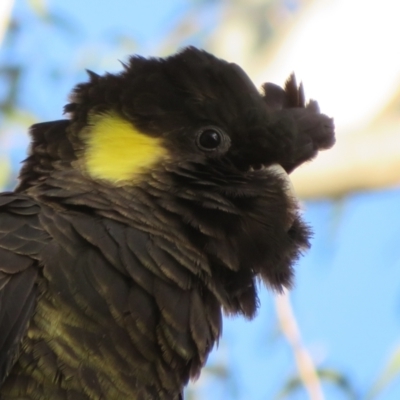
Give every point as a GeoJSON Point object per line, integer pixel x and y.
{"type": "Point", "coordinates": [191, 107]}
{"type": "Point", "coordinates": [217, 151]}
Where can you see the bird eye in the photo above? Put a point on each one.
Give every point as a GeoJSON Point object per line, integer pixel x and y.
{"type": "Point", "coordinates": [209, 139]}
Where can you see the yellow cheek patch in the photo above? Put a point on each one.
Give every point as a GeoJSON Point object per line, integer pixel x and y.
{"type": "Point", "coordinates": [117, 151]}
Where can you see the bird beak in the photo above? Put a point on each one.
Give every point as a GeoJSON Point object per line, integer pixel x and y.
{"type": "Point", "coordinates": [279, 171]}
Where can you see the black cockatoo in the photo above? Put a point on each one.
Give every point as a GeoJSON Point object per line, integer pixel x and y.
{"type": "Point", "coordinates": [154, 207]}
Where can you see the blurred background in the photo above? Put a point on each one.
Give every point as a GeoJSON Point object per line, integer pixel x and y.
{"type": "Point", "coordinates": [337, 336]}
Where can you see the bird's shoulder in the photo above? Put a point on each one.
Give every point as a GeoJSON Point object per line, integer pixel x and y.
{"type": "Point", "coordinates": [21, 239]}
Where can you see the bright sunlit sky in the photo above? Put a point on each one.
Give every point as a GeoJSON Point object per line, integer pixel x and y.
{"type": "Point", "coordinates": [355, 66]}
{"type": "Point", "coordinates": [347, 292]}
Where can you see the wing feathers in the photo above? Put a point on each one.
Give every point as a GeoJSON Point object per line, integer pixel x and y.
{"type": "Point", "coordinates": [21, 240]}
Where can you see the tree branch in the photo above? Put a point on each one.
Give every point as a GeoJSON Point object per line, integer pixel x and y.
{"type": "Point", "coordinates": [305, 366]}
{"type": "Point", "coordinates": [367, 160]}
{"type": "Point", "coordinates": [5, 14]}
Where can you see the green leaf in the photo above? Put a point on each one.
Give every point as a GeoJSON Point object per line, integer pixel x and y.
{"type": "Point", "coordinates": [5, 170]}
{"type": "Point", "coordinates": [390, 372]}
{"type": "Point", "coordinates": [327, 375]}
{"type": "Point", "coordinates": [39, 7]}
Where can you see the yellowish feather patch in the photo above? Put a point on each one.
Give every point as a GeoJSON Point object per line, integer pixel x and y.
{"type": "Point", "coordinates": [117, 151]}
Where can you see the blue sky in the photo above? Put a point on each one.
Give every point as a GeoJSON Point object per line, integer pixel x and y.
{"type": "Point", "coordinates": [347, 293]}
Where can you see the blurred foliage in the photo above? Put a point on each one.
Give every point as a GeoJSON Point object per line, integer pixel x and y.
{"type": "Point", "coordinates": [330, 376]}
{"type": "Point", "coordinates": [15, 62]}
{"type": "Point", "coordinates": [212, 373]}
{"type": "Point", "coordinates": [5, 171]}
{"type": "Point", "coordinates": [197, 25]}
{"type": "Point", "coordinates": [389, 374]}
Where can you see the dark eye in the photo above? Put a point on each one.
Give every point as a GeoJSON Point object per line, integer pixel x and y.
{"type": "Point", "coordinates": [209, 139]}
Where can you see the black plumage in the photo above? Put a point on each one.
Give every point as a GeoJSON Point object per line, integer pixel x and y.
{"type": "Point", "coordinates": [113, 288]}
